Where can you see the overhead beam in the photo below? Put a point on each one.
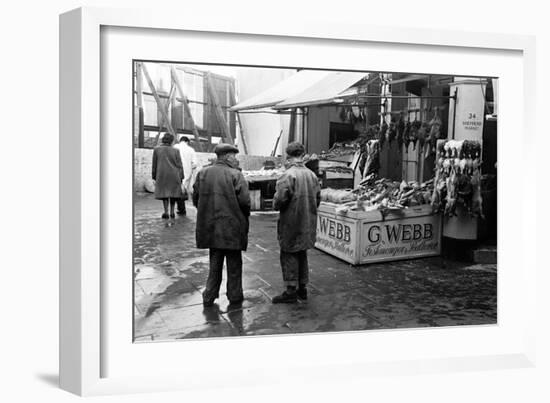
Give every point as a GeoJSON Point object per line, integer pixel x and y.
{"type": "Point", "coordinates": [169, 103]}
{"type": "Point", "coordinates": [233, 101]}
{"type": "Point", "coordinates": [186, 107]}
{"type": "Point", "coordinates": [218, 110]}
{"type": "Point", "coordinates": [163, 111]}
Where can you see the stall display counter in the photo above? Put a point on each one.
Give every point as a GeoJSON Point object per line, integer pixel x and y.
{"type": "Point", "coordinates": [262, 190]}
{"type": "Point", "coordinates": [360, 237]}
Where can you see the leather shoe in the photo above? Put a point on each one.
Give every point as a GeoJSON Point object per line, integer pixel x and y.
{"type": "Point", "coordinates": [285, 298]}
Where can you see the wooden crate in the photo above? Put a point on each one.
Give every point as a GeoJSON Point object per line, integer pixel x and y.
{"type": "Point", "coordinates": [368, 237]}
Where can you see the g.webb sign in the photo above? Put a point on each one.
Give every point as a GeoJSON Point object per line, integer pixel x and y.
{"type": "Point", "coordinates": [400, 239]}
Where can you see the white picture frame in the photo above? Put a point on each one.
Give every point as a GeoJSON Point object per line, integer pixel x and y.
{"type": "Point", "coordinates": [83, 298]}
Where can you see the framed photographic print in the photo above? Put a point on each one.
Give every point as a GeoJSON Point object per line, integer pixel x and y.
{"type": "Point", "coordinates": [258, 195]}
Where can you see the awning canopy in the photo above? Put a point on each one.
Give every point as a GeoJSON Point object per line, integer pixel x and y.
{"type": "Point", "coordinates": [293, 85]}
{"type": "Point", "coordinates": [305, 88]}
{"type": "Point", "coordinates": [325, 91]}
{"type": "Point", "coordinates": [411, 77]}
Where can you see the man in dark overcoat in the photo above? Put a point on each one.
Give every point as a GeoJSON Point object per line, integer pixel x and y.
{"type": "Point", "coordinates": [221, 196]}
{"type": "Point", "coordinates": [297, 198]}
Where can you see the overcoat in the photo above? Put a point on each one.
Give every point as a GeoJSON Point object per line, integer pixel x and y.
{"type": "Point", "coordinates": [297, 196]}
{"type": "Point", "coordinates": [167, 172]}
{"type": "Point", "coordinates": [221, 196]}
{"type": "Point", "coordinates": [189, 161]}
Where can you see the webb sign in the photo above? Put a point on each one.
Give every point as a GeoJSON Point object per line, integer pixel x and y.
{"type": "Point", "coordinates": [337, 236]}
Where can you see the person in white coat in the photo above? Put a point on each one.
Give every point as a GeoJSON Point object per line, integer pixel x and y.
{"type": "Point", "coordinates": [189, 160]}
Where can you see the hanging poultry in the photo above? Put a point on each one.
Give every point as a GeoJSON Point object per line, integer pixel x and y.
{"type": "Point", "coordinates": [407, 135]}
{"type": "Point", "coordinates": [422, 134]}
{"type": "Point", "coordinates": [439, 192]}
{"type": "Point", "coordinates": [392, 132]}
{"type": "Point", "coordinates": [372, 161]}
{"type": "Point", "coordinates": [435, 130]}
{"type": "Point", "coordinates": [452, 186]}
{"type": "Point", "coordinates": [440, 181]}
{"type": "Point", "coordinates": [413, 133]}
{"type": "Point", "coordinates": [400, 132]}
{"type": "Point", "coordinates": [343, 114]}
{"type": "Point", "coordinates": [477, 201]}
{"type": "Point", "coordinates": [372, 132]}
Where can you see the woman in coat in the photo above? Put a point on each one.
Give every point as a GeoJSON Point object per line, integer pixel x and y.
{"type": "Point", "coordinates": [167, 174]}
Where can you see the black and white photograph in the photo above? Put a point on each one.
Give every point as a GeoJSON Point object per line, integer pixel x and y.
{"type": "Point", "coordinates": [276, 200]}
{"type": "Point", "coordinates": [233, 201]}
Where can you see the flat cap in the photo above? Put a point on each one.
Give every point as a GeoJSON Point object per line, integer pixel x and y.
{"type": "Point", "coordinates": [223, 148]}
{"type": "Point", "coordinates": [295, 149]}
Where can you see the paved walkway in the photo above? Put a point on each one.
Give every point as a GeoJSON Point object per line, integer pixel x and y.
{"type": "Point", "coordinates": [170, 274]}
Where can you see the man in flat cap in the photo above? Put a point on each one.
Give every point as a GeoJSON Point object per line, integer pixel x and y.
{"type": "Point", "coordinates": [221, 196]}
{"type": "Point", "coordinates": [297, 198]}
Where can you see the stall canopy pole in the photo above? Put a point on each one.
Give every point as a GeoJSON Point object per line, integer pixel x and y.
{"type": "Point", "coordinates": [274, 152]}
{"type": "Point", "coordinates": [305, 136]}
{"type": "Point", "coordinates": [292, 127]}
{"type": "Point", "coordinates": [454, 112]}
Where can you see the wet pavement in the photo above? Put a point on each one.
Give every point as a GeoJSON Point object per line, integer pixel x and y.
{"type": "Point", "coordinates": [170, 273]}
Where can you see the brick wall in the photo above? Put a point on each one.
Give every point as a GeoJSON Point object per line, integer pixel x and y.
{"type": "Point", "coordinates": [143, 159]}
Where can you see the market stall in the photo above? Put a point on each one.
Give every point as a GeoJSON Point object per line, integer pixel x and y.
{"type": "Point", "coordinates": [261, 184]}
{"type": "Point", "coordinates": [380, 220]}
{"type": "Point", "coordinates": [383, 220]}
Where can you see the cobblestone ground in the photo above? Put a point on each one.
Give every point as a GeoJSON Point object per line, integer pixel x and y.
{"type": "Point", "coordinates": [170, 273]}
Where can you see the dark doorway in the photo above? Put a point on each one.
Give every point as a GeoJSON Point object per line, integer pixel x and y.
{"type": "Point", "coordinates": [341, 132]}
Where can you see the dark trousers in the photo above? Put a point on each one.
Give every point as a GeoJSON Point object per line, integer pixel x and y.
{"type": "Point", "coordinates": [295, 268]}
{"type": "Point", "coordinates": [181, 204]}
{"type": "Point", "coordinates": [234, 263]}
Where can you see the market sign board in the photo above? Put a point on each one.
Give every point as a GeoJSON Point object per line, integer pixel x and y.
{"type": "Point", "coordinates": [396, 239]}
{"type": "Point", "coordinates": [468, 112]}
{"type": "Point", "coordinates": [360, 238]}
{"type": "Point", "coordinates": [338, 236]}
